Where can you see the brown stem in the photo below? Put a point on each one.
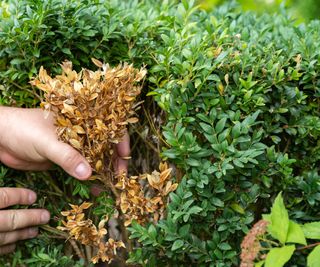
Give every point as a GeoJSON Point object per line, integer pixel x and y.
{"type": "Point", "coordinates": [88, 250]}
{"type": "Point", "coordinates": [55, 231]}
{"type": "Point", "coordinates": [309, 246]}
{"type": "Point", "coordinates": [76, 248]}
{"type": "Point", "coordinates": [148, 143]}
{"type": "Point", "coordinates": [125, 238]}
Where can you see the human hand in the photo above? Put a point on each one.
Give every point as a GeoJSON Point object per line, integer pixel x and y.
{"type": "Point", "coordinates": [122, 152]}
{"type": "Point", "coordinates": [120, 161]}
{"type": "Point", "coordinates": [18, 224]}
{"type": "Point", "coordinates": [28, 141]}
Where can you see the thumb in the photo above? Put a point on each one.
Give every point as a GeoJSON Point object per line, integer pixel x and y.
{"type": "Point", "coordinates": [69, 159]}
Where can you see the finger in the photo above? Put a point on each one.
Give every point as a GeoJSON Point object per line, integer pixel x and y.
{"type": "Point", "coordinates": [16, 163]}
{"type": "Point", "coordinates": [69, 159]}
{"type": "Point", "coordinates": [11, 220]}
{"type": "Point", "coordinates": [7, 249]}
{"type": "Point", "coordinates": [123, 148]}
{"type": "Point", "coordinates": [14, 236]}
{"type": "Point", "coordinates": [122, 165]}
{"type": "Point", "coordinates": [16, 196]}
{"type": "Point", "coordinates": [122, 151]}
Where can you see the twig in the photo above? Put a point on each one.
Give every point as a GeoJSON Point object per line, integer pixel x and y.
{"type": "Point", "coordinates": [108, 183]}
{"type": "Point", "coordinates": [309, 246]}
{"type": "Point", "coordinates": [55, 231]}
{"type": "Point", "coordinates": [76, 248]}
{"type": "Point", "coordinates": [148, 143]}
{"type": "Point", "coordinates": [88, 250]}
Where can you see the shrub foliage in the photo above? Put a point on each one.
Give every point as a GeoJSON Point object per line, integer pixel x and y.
{"type": "Point", "coordinates": [239, 113]}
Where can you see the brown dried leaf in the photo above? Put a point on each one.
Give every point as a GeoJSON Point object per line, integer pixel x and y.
{"type": "Point", "coordinates": [99, 165]}
{"type": "Point", "coordinates": [96, 62]}
{"type": "Point", "coordinates": [132, 120]}
{"type": "Point", "coordinates": [78, 129]}
{"type": "Point", "coordinates": [75, 143]}
{"type": "Point", "coordinates": [86, 205]}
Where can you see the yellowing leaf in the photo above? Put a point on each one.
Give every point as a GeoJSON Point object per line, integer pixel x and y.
{"type": "Point", "coordinates": [93, 96]}
{"type": "Point", "coordinates": [132, 120]}
{"type": "Point", "coordinates": [99, 165]}
{"type": "Point", "coordinates": [67, 108]}
{"type": "Point", "coordinates": [75, 143]}
{"type": "Point", "coordinates": [63, 122]}
{"type": "Point", "coordinates": [97, 62]}
{"type": "Point", "coordinates": [85, 205]}
{"type": "Point", "coordinates": [78, 129]}
{"type": "Point", "coordinates": [77, 86]}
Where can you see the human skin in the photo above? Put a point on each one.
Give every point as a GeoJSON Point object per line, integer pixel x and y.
{"type": "Point", "coordinates": [28, 141]}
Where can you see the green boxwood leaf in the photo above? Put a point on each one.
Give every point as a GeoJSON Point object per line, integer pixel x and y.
{"type": "Point", "coordinates": [295, 234]}
{"type": "Point", "coordinates": [311, 230]}
{"type": "Point", "coordinates": [277, 257]}
{"type": "Point", "coordinates": [152, 231]}
{"type": "Point", "coordinates": [207, 128]}
{"type": "Point", "coordinates": [313, 260]}
{"type": "Point", "coordinates": [220, 125]}
{"type": "Point", "coordinates": [224, 246]}
{"type": "Point", "coordinates": [177, 244]}
{"type": "Point", "coordinates": [236, 207]}
{"type": "Point", "coordinates": [193, 162]}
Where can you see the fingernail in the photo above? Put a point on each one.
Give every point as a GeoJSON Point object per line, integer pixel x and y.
{"type": "Point", "coordinates": [82, 170]}
{"type": "Point", "coordinates": [45, 217]}
{"type": "Point", "coordinates": [33, 232]}
{"type": "Point", "coordinates": [32, 197]}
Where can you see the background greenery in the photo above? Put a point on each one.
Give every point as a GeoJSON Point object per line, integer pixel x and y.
{"type": "Point", "coordinates": [302, 10]}
{"type": "Point", "coordinates": [232, 100]}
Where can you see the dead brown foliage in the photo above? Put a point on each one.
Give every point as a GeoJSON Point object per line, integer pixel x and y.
{"type": "Point", "coordinates": [92, 110]}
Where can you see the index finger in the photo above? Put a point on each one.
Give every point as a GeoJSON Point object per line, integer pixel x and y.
{"type": "Point", "coordinates": [16, 196]}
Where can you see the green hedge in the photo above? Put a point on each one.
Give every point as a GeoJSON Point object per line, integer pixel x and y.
{"type": "Point", "coordinates": [241, 95]}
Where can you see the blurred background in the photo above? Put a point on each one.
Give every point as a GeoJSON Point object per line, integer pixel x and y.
{"type": "Point", "coordinates": [301, 10]}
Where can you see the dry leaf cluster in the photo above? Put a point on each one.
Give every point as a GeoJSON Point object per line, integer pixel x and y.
{"type": "Point", "coordinates": [133, 201]}
{"type": "Point", "coordinates": [84, 231]}
{"type": "Point", "coordinates": [92, 108]}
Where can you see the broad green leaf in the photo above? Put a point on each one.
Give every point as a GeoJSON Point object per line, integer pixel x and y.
{"type": "Point", "coordinates": [279, 220]}
{"type": "Point", "coordinates": [177, 244]}
{"type": "Point", "coordinates": [277, 257]}
{"type": "Point", "coordinates": [259, 264]}
{"type": "Point", "coordinates": [313, 259]}
{"type": "Point", "coordinates": [311, 230]}
{"type": "Point", "coordinates": [266, 217]}
{"type": "Point", "coordinates": [295, 234]}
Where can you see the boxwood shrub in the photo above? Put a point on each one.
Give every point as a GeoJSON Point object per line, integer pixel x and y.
{"type": "Point", "coordinates": [237, 95]}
